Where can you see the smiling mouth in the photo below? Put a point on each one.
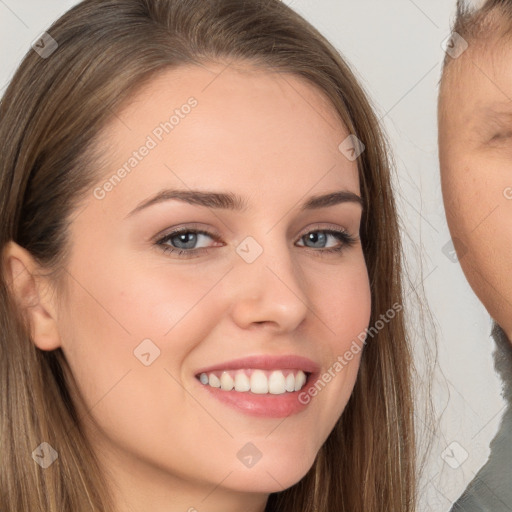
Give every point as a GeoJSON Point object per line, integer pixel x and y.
{"type": "Point", "coordinates": [255, 380]}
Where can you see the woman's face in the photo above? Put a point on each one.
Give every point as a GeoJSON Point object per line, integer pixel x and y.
{"type": "Point", "coordinates": [141, 323]}
{"type": "Point", "coordinates": [475, 141]}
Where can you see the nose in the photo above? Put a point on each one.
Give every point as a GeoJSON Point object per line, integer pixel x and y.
{"type": "Point", "coordinates": [270, 291]}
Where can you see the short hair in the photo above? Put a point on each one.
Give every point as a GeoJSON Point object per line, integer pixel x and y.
{"type": "Point", "coordinates": [493, 18]}
{"type": "Point", "coordinates": [481, 21]}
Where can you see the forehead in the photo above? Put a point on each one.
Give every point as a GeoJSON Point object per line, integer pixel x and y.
{"type": "Point", "coordinates": [250, 128]}
{"type": "Point", "coordinates": [477, 87]}
{"type": "Point", "coordinates": [487, 61]}
{"type": "Point", "coordinates": [224, 93]}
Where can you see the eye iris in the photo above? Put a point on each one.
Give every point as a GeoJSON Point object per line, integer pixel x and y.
{"type": "Point", "coordinates": [182, 238]}
{"type": "Point", "coordinates": [315, 237]}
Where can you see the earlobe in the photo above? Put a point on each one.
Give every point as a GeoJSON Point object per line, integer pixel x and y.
{"type": "Point", "coordinates": [32, 293]}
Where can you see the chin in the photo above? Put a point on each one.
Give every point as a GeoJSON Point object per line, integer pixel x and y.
{"type": "Point", "coordinates": [274, 475]}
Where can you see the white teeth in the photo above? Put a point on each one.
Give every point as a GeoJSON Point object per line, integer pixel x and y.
{"type": "Point", "coordinates": [226, 381]}
{"type": "Point", "coordinates": [242, 382]}
{"type": "Point", "coordinates": [289, 383]}
{"type": "Point", "coordinates": [257, 381]}
{"type": "Point", "coordinates": [214, 381]}
{"type": "Point", "coordinates": [276, 383]}
{"type": "Point", "coordinates": [300, 380]}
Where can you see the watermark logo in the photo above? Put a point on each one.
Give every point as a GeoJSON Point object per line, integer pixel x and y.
{"type": "Point", "coordinates": [454, 45]}
{"type": "Point", "coordinates": [249, 455]}
{"type": "Point", "coordinates": [352, 147]}
{"type": "Point", "coordinates": [146, 352]}
{"type": "Point", "coordinates": [45, 455]}
{"type": "Point", "coordinates": [45, 45]}
{"type": "Point", "coordinates": [454, 250]}
{"type": "Point", "coordinates": [249, 250]}
{"type": "Point", "coordinates": [454, 455]}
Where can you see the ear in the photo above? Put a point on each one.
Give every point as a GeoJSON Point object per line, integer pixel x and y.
{"type": "Point", "coordinates": [33, 294]}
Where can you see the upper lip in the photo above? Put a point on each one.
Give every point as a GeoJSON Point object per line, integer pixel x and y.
{"type": "Point", "coordinates": [265, 362]}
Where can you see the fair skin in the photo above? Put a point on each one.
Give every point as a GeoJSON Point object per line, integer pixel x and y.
{"type": "Point", "coordinates": [475, 147]}
{"type": "Point", "coordinates": [168, 444]}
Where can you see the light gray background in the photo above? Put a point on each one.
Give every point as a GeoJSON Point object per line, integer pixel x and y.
{"type": "Point", "coordinates": [395, 48]}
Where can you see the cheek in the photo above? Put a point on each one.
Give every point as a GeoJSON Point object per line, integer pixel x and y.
{"type": "Point", "coordinates": [134, 398]}
{"type": "Point", "coordinates": [342, 299]}
{"type": "Point", "coordinates": [471, 196]}
{"type": "Point", "coordinates": [343, 303]}
{"type": "Point", "coordinates": [479, 214]}
{"type": "Point", "coordinates": [474, 188]}
{"type": "Point", "coordinates": [485, 259]}
{"type": "Point", "coordinates": [122, 315]}
{"type": "Point", "coordinates": [348, 302]}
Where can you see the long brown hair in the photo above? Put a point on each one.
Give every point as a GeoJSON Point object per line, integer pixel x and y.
{"type": "Point", "coordinates": [50, 117]}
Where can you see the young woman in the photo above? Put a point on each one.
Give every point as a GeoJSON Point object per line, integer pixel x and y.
{"type": "Point", "coordinates": [201, 303]}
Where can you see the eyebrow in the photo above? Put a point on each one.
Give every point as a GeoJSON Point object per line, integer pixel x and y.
{"type": "Point", "coordinates": [230, 201]}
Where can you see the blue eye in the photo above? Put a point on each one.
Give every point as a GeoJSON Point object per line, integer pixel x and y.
{"type": "Point", "coordinates": [321, 236]}
{"type": "Point", "coordinates": [183, 241]}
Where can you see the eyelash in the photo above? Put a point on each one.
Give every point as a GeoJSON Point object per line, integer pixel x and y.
{"type": "Point", "coordinates": [344, 237]}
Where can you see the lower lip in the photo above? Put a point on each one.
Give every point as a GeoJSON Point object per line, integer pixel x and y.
{"type": "Point", "coordinates": [267, 405]}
